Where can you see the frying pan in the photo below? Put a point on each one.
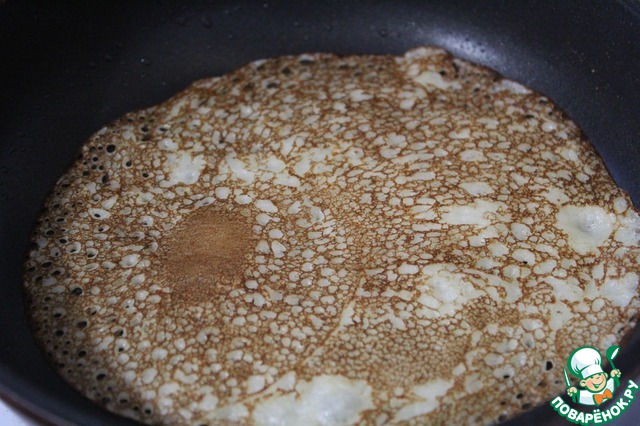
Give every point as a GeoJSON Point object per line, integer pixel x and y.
{"type": "Point", "coordinates": [68, 68]}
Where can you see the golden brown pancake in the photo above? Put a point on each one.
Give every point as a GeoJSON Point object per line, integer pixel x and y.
{"type": "Point", "coordinates": [334, 240]}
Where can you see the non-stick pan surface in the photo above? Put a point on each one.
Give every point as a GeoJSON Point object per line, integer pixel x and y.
{"type": "Point", "coordinates": [68, 68]}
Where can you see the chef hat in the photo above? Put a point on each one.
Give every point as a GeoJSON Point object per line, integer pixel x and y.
{"type": "Point", "coordinates": [585, 362]}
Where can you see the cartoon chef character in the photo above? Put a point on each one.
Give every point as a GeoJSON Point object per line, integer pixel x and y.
{"type": "Point", "coordinates": [585, 363]}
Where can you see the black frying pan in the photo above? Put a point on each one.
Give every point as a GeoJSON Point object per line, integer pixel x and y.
{"type": "Point", "coordinates": [67, 68]}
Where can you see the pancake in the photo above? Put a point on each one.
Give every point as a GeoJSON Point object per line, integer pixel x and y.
{"type": "Point", "coordinates": [333, 240]}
